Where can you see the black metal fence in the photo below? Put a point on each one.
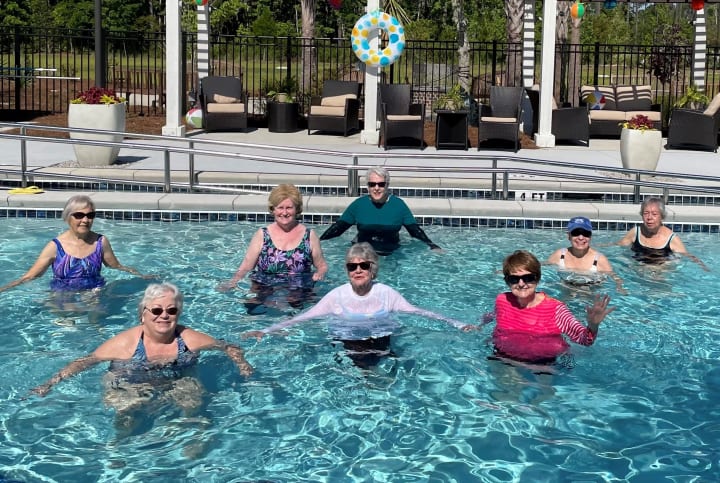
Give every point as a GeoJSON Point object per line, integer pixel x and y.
{"type": "Point", "coordinates": [42, 70]}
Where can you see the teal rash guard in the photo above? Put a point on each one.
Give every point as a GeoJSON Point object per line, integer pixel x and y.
{"type": "Point", "coordinates": [378, 224]}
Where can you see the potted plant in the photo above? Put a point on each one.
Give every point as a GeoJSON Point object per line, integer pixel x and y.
{"type": "Point", "coordinates": [97, 109]}
{"type": "Point", "coordinates": [452, 100]}
{"type": "Point", "coordinates": [640, 143]}
{"type": "Point", "coordinates": [283, 90]}
{"type": "Point", "coordinates": [694, 98]}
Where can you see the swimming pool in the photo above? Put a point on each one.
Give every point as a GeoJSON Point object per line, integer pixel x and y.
{"type": "Point", "coordinates": [639, 405]}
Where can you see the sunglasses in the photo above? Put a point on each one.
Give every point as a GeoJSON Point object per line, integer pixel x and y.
{"type": "Point", "coordinates": [351, 267]}
{"type": "Point", "coordinates": [381, 184]}
{"type": "Point", "coordinates": [527, 278]}
{"type": "Point", "coordinates": [79, 215]}
{"type": "Point", "coordinates": [157, 311]}
{"type": "Point", "coordinates": [580, 231]}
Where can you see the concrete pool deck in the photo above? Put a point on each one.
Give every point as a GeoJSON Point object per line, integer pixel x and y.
{"type": "Point", "coordinates": [147, 165]}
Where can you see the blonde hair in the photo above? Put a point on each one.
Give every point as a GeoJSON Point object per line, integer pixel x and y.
{"type": "Point", "coordinates": [281, 193]}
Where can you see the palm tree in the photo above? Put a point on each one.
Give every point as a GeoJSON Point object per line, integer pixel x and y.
{"type": "Point", "coordinates": [514, 12]}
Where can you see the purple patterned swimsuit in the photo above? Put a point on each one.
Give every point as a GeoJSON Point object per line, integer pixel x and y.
{"type": "Point", "coordinates": [293, 267]}
{"type": "Point", "coordinates": [70, 273]}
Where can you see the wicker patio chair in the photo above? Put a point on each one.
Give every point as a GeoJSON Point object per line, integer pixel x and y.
{"type": "Point", "coordinates": [501, 119]}
{"type": "Point", "coordinates": [568, 123]}
{"type": "Point", "coordinates": [338, 109]}
{"type": "Point", "coordinates": [400, 119]}
{"type": "Point", "coordinates": [223, 103]}
{"type": "Point", "coordinates": [690, 129]}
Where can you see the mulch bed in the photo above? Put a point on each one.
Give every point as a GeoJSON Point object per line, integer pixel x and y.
{"type": "Point", "coordinates": [146, 124]}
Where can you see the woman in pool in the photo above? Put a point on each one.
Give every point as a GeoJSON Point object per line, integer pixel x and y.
{"type": "Point", "coordinates": [530, 324]}
{"type": "Point", "coordinates": [652, 242]}
{"type": "Point", "coordinates": [379, 217]}
{"type": "Point", "coordinates": [360, 310]}
{"type": "Point", "coordinates": [281, 255]}
{"type": "Point", "coordinates": [157, 351]}
{"type": "Point", "coordinates": [76, 255]}
{"type": "Point", "coordinates": [580, 263]}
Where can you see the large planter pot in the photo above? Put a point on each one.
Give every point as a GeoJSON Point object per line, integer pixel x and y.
{"type": "Point", "coordinates": [108, 117]}
{"type": "Point", "coordinates": [640, 149]}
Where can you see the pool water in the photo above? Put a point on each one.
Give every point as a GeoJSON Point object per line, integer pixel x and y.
{"type": "Point", "coordinates": [639, 405]}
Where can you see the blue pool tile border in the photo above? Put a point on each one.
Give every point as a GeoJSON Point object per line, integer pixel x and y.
{"type": "Point", "coordinates": [325, 219]}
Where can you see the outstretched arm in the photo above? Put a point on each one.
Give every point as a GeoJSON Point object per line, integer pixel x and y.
{"type": "Point", "coordinates": [70, 370]}
{"type": "Point", "coordinates": [322, 308]}
{"type": "Point", "coordinates": [198, 341]}
{"type": "Point", "coordinates": [237, 355]}
{"type": "Point", "coordinates": [677, 246]}
{"type": "Point", "coordinates": [248, 263]}
{"type": "Point", "coordinates": [335, 230]}
{"type": "Point", "coordinates": [111, 261]}
{"type": "Point", "coordinates": [417, 232]}
{"type": "Point", "coordinates": [43, 262]}
{"type": "Point", "coordinates": [318, 257]}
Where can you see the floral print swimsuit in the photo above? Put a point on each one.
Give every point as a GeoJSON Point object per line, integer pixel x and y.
{"type": "Point", "coordinates": [284, 266]}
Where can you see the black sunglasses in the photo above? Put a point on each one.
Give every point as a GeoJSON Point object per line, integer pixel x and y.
{"type": "Point", "coordinates": [372, 184]}
{"type": "Point", "coordinates": [157, 311]}
{"type": "Point", "coordinates": [580, 231]}
{"type": "Point", "coordinates": [79, 215]}
{"type": "Point", "coordinates": [527, 278]}
{"type": "Point", "coordinates": [351, 267]}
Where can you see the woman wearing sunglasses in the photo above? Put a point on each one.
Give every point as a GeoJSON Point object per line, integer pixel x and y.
{"type": "Point", "coordinates": [281, 255]}
{"type": "Point", "coordinates": [360, 310]}
{"type": "Point", "coordinates": [379, 216]}
{"type": "Point", "coordinates": [151, 361]}
{"type": "Point", "coordinates": [579, 263]}
{"type": "Point", "coordinates": [530, 324]}
{"type": "Point", "coordinates": [77, 255]}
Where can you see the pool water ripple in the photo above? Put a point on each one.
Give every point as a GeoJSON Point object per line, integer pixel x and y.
{"type": "Point", "coordinates": [639, 405]}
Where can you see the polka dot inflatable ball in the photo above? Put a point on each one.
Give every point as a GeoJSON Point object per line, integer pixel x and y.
{"type": "Point", "coordinates": [193, 117]}
{"type": "Point", "coordinates": [596, 100]}
{"type": "Point", "coordinates": [370, 22]}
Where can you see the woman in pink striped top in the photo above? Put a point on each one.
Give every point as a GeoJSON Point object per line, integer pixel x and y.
{"type": "Point", "coordinates": [530, 324]}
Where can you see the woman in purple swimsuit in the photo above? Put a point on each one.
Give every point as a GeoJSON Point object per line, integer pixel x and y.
{"type": "Point", "coordinates": [153, 358]}
{"type": "Point", "coordinates": [76, 255]}
{"type": "Point", "coordinates": [281, 255]}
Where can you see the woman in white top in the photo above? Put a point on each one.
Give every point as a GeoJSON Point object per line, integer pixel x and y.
{"type": "Point", "coordinates": [360, 310]}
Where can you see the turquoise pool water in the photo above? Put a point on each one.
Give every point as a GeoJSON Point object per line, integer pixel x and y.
{"type": "Point", "coordinates": [639, 405]}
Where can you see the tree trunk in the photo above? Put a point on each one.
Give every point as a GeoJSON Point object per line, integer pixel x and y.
{"type": "Point", "coordinates": [309, 59]}
{"type": "Point", "coordinates": [561, 35]}
{"type": "Point", "coordinates": [514, 12]}
{"type": "Point", "coordinates": [463, 45]}
{"type": "Point", "coordinates": [574, 79]}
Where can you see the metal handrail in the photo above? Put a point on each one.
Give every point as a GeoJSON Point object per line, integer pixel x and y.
{"type": "Point", "coordinates": [352, 170]}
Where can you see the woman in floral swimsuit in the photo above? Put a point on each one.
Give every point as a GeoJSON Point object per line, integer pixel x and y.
{"type": "Point", "coordinates": [281, 255]}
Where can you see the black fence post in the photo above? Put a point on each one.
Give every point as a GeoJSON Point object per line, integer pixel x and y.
{"type": "Point", "coordinates": [494, 62]}
{"type": "Point", "coordinates": [100, 57]}
{"type": "Point", "coordinates": [596, 64]}
{"type": "Point", "coordinates": [19, 82]}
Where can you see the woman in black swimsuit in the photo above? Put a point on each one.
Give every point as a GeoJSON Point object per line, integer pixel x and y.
{"type": "Point", "coordinates": [652, 242]}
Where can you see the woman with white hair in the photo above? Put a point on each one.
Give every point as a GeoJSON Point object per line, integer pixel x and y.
{"type": "Point", "coordinates": [78, 254]}
{"type": "Point", "coordinates": [360, 310]}
{"type": "Point", "coordinates": [379, 216]}
{"type": "Point", "coordinates": [652, 242]}
{"type": "Point", "coordinates": [157, 349]}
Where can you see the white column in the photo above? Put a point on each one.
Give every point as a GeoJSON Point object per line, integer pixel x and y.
{"type": "Point", "coordinates": [173, 59]}
{"type": "Point", "coordinates": [700, 50]}
{"type": "Point", "coordinates": [203, 41]}
{"type": "Point", "coordinates": [544, 137]}
{"type": "Point", "coordinates": [370, 133]}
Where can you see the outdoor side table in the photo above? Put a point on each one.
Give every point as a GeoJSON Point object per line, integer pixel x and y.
{"type": "Point", "coordinates": [282, 116]}
{"type": "Point", "coordinates": [451, 129]}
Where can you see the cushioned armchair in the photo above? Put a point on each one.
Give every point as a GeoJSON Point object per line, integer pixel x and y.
{"type": "Point", "coordinates": [568, 123]}
{"type": "Point", "coordinates": [500, 120]}
{"type": "Point", "coordinates": [690, 129]}
{"type": "Point", "coordinates": [338, 109]}
{"type": "Point", "coordinates": [400, 119]}
{"type": "Point", "coordinates": [223, 103]}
